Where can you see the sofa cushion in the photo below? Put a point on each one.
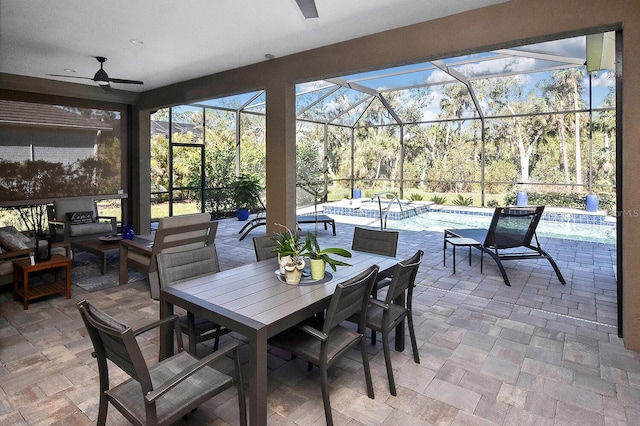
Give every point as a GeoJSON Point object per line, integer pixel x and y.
{"type": "Point", "coordinates": [9, 241]}
{"type": "Point", "coordinates": [80, 218]}
{"type": "Point", "coordinates": [91, 228]}
{"type": "Point", "coordinates": [70, 205]}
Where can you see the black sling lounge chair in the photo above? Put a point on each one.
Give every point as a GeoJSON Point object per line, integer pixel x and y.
{"type": "Point", "coordinates": [260, 220]}
{"type": "Point", "coordinates": [511, 228]}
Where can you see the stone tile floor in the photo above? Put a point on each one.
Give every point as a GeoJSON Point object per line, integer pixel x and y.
{"type": "Point", "coordinates": [535, 353]}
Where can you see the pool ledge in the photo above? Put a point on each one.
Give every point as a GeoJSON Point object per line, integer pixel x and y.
{"type": "Point", "coordinates": [364, 208]}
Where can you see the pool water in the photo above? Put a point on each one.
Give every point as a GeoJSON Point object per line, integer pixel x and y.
{"type": "Point", "coordinates": [438, 221]}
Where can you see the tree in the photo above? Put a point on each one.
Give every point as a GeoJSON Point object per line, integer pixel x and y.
{"type": "Point", "coordinates": [564, 91]}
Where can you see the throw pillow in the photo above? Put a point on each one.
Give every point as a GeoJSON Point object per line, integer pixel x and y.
{"type": "Point", "coordinates": [10, 241]}
{"type": "Point", "coordinates": [17, 234]}
{"type": "Point", "coordinates": [80, 218]}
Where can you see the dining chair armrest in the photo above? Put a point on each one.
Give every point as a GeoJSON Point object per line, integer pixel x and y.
{"type": "Point", "coordinates": [137, 245]}
{"type": "Point", "coordinates": [154, 324]}
{"type": "Point", "coordinates": [176, 327]}
{"type": "Point", "coordinates": [312, 331]}
{"type": "Point", "coordinates": [175, 380]}
{"type": "Point", "coordinates": [379, 303]}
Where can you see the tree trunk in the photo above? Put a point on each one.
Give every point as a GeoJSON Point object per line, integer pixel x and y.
{"type": "Point", "coordinates": [524, 156]}
{"type": "Point", "coordinates": [576, 97]}
{"type": "Point", "coordinates": [563, 148]}
{"type": "Point", "coordinates": [578, 151]}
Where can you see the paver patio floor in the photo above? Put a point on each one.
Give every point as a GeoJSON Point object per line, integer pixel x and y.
{"type": "Point", "coordinates": [534, 353]}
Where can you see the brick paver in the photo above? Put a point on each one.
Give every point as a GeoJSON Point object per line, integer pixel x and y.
{"type": "Point", "coordinates": [535, 353]}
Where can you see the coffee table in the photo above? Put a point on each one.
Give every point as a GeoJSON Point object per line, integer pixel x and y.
{"type": "Point", "coordinates": [98, 247]}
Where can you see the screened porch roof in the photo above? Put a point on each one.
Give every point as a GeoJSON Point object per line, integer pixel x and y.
{"type": "Point", "coordinates": [344, 100]}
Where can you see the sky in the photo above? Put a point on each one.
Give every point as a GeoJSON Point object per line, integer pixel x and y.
{"type": "Point", "coordinates": [532, 63]}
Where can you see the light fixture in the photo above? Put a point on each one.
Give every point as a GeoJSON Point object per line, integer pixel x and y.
{"type": "Point", "coordinates": [269, 56]}
{"type": "Point", "coordinates": [101, 77]}
{"type": "Point", "coordinates": [135, 41]}
{"type": "Point", "coordinates": [69, 70]}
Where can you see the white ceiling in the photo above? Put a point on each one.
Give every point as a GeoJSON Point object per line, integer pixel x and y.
{"type": "Point", "coordinates": [185, 39]}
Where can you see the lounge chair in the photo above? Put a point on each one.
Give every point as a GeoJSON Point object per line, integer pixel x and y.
{"type": "Point", "coordinates": [261, 220]}
{"type": "Point", "coordinates": [511, 228]}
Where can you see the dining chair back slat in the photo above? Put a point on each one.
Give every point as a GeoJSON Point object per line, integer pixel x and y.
{"type": "Point", "coordinates": [350, 297]}
{"type": "Point", "coordinates": [264, 247]}
{"type": "Point", "coordinates": [175, 267]}
{"type": "Point", "coordinates": [375, 241]}
{"type": "Point", "coordinates": [183, 265]}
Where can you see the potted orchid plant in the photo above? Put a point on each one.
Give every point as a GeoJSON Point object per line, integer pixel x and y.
{"type": "Point", "coordinates": [290, 258]}
{"type": "Point", "coordinates": [319, 258]}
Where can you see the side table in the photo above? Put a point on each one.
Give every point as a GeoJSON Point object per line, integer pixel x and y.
{"type": "Point", "coordinates": [23, 267]}
{"type": "Point", "coordinates": [455, 242]}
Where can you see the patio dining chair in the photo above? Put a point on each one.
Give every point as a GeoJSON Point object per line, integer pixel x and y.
{"type": "Point", "coordinates": [184, 265]}
{"type": "Point", "coordinates": [175, 233]}
{"type": "Point", "coordinates": [322, 340]}
{"type": "Point", "coordinates": [264, 247]}
{"type": "Point", "coordinates": [385, 315]}
{"type": "Point", "coordinates": [511, 229]}
{"type": "Point", "coordinates": [164, 392]}
{"type": "Point", "coordinates": [376, 241]}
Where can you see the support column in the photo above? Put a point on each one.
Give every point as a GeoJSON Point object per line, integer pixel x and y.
{"type": "Point", "coordinates": [139, 187]}
{"type": "Point", "coordinates": [281, 155]}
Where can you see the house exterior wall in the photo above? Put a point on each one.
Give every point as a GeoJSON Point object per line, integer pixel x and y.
{"type": "Point", "coordinates": [20, 144]}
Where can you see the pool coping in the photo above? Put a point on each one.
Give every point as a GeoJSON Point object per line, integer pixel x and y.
{"type": "Point", "coordinates": [551, 214]}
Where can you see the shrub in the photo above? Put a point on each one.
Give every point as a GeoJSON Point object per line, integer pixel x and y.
{"type": "Point", "coordinates": [493, 203]}
{"type": "Point", "coordinates": [438, 199]}
{"type": "Point", "coordinates": [416, 197]}
{"type": "Point", "coordinates": [461, 201]}
{"type": "Point", "coordinates": [561, 199]}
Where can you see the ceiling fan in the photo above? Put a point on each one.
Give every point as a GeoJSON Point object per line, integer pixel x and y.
{"type": "Point", "coordinates": [308, 8]}
{"type": "Point", "coordinates": [101, 77]}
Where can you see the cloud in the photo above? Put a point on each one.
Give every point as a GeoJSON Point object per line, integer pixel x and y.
{"type": "Point", "coordinates": [602, 79]}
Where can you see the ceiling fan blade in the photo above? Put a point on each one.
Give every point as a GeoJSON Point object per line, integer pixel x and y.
{"type": "Point", "coordinates": [69, 76]}
{"type": "Point", "coordinates": [308, 8]}
{"type": "Point", "coordinates": [101, 77]}
{"type": "Point", "coordinates": [123, 81]}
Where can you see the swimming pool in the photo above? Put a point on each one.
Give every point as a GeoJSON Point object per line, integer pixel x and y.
{"type": "Point", "coordinates": [439, 221]}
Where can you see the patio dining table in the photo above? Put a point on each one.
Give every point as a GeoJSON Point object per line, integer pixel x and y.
{"type": "Point", "coordinates": [253, 302]}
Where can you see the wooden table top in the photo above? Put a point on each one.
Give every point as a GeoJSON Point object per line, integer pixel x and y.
{"type": "Point", "coordinates": [56, 261]}
{"type": "Point", "coordinates": [252, 294]}
{"type": "Point", "coordinates": [96, 244]}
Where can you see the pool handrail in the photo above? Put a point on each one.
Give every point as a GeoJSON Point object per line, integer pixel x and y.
{"type": "Point", "coordinates": [383, 217]}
